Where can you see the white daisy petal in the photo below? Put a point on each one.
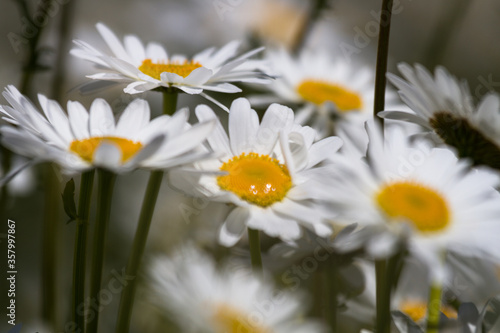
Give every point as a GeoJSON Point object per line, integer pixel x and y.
{"type": "Point", "coordinates": [101, 119]}
{"type": "Point", "coordinates": [234, 227]}
{"type": "Point", "coordinates": [243, 126]}
{"type": "Point", "coordinates": [108, 156]}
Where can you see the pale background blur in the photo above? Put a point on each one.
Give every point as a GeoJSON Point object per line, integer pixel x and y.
{"type": "Point", "coordinates": [461, 35]}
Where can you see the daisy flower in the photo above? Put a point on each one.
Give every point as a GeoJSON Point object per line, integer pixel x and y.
{"type": "Point", "coordinates": [85, 139]}
{"type": "Point", "coordinates": [420, 193]}
{"type": "Point", "coordinates": [272, 172]}
{"type": "Point", "coordinates": [327, 89]}
{"type": "Point", "coordinates": [150, 67]}
{"type": "Point", "coordinates": [201, 298]}
{"type": "Point", "coordinates": [443, 106]}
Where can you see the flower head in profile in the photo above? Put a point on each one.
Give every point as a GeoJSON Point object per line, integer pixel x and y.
{"type": "Point", "coordinates": [150, 67]}
{"type": "Point", "coordinates": [444, 107]}
{"type": "Point", "coordinates": [419, 193]}
{"type": "Point", "coordinates": [272, 171]}
{"type": "Point", "coordinates": [83, 139]}
{"type": "Point", "coordinates": [328, 90]}
{"type": "Point", "coordinates": [201, 298]}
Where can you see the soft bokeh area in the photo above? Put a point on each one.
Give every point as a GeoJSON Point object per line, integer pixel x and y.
{"type": "Point", "coordinates": [461, 35]}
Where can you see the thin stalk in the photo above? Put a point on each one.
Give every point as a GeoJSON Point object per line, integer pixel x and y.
{"type": "Point", "coordinates": [382, 55]}
{"type": "Point", "coordinates": [138, 246]}
{"type": "Point", "coordinates": [383, 297]}
{"type": "Point", "coordinates": [64, 42]}
{"type": "Point", "coordinates": [331, 290]}
{"type": "Point", "coordinates": [255, 255]}
{"type": "Point", "coordinates": [311, 19]}
{"type": "Point", "coordinates": [50, 244]}
{"type": "Point", "coordinates": [434, 308]}
{"type": "Point", "coordinates": [86, 185]}
{"type": "Point", "coordinates": [142, 231]}
{"type": "Point", "coordinates": [105, 186]}
{"type": "Point", "coordinates": [169, 102]}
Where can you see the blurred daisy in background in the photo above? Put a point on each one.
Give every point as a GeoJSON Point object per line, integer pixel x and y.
{"type": "Point", "coordinates": [328, 89]}
{"type": "Point", "coordinates": [272, 172]}
{"type": "Point", "coordinates": [200, 298]}
{"type": "Point", "coordinates": [444, 107]}
{"type": "Point", "coordinates": [422, 194]}
{"type": "Point", "coordinates": [150, 67]}
{"type": "Point", "coordinates": [85, 139]}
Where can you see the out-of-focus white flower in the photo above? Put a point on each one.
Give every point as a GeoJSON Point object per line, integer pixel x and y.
{"type": "Point", "coordinates": [328, 89]}
{"type": "Point", "coordinates": [272, 171]}
{"type": "Point", "coordinates": [201, 298]}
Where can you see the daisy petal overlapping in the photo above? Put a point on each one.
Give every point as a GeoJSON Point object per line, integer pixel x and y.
{"type": "Point", "coordinates": [422, 194]}
{"type": "Point", "coordinates": [272, 171]}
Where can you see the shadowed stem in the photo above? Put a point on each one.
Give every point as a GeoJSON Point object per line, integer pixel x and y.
{"type": "Point", "coordinates": [383, 297]}
{"type": "Point", "coordinates": [105, 186]}
{"type": "Point", "coordinates": [332, 291]}
{"type": "Point", "coordinates": [382, 54]}
{"type": "Point", "coordinates": [50, 246]}
{"type": "Point", "coordinates": [311, 19]}
{"type": "Point", "coordinates": [86, 185]}
{"type": "Point", "coordinates": [255, 255]}
{"type": "Point", "coordinates": [141, 234]}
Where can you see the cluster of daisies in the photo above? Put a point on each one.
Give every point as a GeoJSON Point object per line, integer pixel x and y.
{"type": "Point", "coordinates": [284, 173]}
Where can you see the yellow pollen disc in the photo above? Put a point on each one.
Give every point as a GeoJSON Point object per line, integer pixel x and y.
{"type": "Point", "coordinates": [180, 68]}
{"type": "Point", "coordinates": [229, 320]}
{"type": "Point", "coordinates": [424, 207]}
{"type": "Point", "coordinates": [417, 310]}
{"type": "Point", "coordinates": [319, 92]}
{"type": "Point", "coordinates": [87, 147]}
{"type": "Point", "coordinates": [258, 179]}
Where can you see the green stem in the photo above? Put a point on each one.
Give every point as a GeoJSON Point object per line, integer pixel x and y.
{"type": "Point", "coordinates": [169, 101]}
{"type": "Point", "coordinates": [104, 195]}
{"type": "Point", "coordinates": [434, 308]}
{"type": "Point", "coordinates": [331, 290]}
{"type": "Point", "coordinates": [80, 249]}
{"type": "Point", "coordinates": [50, 245]}
{"type": "Point", "coordinates": [383, 297]}
{"type": "Point", "coordinates": [382, 54]}
{"type": "Point", "coordinates": [311, 19]}
{"type": "Point", "coordinates": [141, 234]}
{"type": "Point", "coordinates": [134, 261]}
{"type": "Point", "coordinates": [255, 255]}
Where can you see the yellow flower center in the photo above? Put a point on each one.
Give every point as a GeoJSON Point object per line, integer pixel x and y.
{"type": "Point", "coordinates": [424, 207]}
{"type": "Point", "coordinates": [319, 92]}
{"type": "Point", "coordinates": [180, 68]}
{"type": "Point", "coordinates": [258, 179]}
{"type": "Point", "coordinates": [417, 310]}
{"type": "Point", "coordinates": [86, 148]}
{"type": "Point", "coordinates": [229, 320]}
